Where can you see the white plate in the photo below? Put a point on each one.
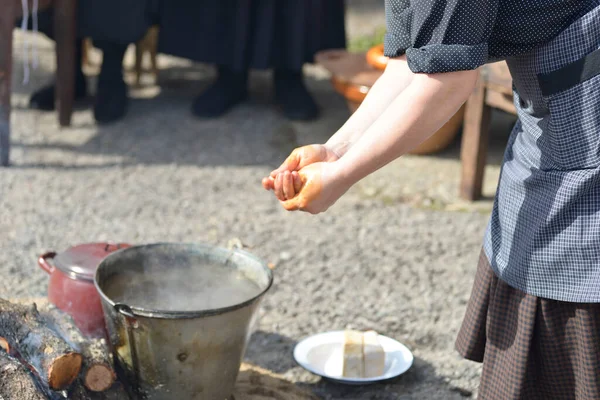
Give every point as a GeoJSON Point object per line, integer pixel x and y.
{"type": "Point", "coordinates": [322, 355]}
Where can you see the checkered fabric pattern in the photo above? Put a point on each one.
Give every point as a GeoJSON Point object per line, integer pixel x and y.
{"type": "Point", "coordinates": [531, 348]}
{"type": "Point", "coordinates": [544, 234]}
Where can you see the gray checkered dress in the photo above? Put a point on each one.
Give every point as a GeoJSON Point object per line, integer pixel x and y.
{"type": "Point", "coordinates": [534, 314]}
{"type": "Point", "coordinates": [544, 235]}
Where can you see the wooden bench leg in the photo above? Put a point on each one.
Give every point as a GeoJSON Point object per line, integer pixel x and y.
{"type": "Point", "coordinates": [475, 143]}
{"type": "Point", "coordinates": [65, 35]}
{"type": "Point", "coordinates": [7, 23]}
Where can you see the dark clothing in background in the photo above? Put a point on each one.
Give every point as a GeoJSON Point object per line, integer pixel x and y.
{"type": "Point", "coordinates": [238, 34]}
{"type": "Point", "coordinates": [114, 21]}
{"type": "Point", "coordinates": [117, 21]}
{"type": "Point", "coordinates": [243, 34]}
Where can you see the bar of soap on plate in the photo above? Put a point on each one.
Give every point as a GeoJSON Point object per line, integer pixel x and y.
{"type": "Point", "coordinates": [364, 356]}
{"type": "Point", "coordinates": [353, 366]}
{"type": "Point", "coordinates": [373, 354]}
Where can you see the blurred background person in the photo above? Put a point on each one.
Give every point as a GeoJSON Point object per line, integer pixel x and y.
{"type": "Point", "coordinates": [239, 35]}
{"type": "Point", "coordinates": [112, 25]}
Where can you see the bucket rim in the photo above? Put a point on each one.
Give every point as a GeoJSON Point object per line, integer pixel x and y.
{"type": "Point", "coordinates": [167, 314]}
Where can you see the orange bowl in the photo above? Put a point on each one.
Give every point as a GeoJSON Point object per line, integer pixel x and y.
{"type": "Point", "coordinates": [375, 57]}
{"type": "Point", "coordinates": [351, 91]}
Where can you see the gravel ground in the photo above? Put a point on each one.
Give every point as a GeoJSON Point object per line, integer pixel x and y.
{"type": "Point", "coordinates": [397, 254]}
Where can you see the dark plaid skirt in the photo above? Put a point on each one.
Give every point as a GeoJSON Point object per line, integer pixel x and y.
{"type": "Point", "coordinates": [531, 348]}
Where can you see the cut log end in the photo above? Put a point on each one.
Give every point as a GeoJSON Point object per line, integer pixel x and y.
{"type": "Point", "coordinates": [4, 345]}
{"type": "Point", "coordinates": [64, 370]}
{"type": "Point", "coordinates": [99, 378]}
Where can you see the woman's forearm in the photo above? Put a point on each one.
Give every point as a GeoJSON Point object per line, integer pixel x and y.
{"type": "Point", "coordinates": [413, 116]}
{"type": "Point", "coordinates": [392, 82]}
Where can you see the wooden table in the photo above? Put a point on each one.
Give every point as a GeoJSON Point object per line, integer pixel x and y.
{"type": "Point", "coordinates": [493, 90]}
{"type": "Point", "coordinates": [64, 34]}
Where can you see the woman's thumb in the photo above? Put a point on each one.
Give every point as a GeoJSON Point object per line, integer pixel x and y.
{"type": "Point", "coordinates": [292, 204]}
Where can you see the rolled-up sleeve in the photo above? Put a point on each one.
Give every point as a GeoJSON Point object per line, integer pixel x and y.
{"type": "Point", "coordinates": [440, 36]}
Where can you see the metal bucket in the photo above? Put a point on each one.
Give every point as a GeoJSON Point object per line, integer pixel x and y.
{"type": "Point", "coordinates": [179, 354]}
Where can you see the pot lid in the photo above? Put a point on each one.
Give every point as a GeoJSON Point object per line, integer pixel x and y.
{"type": "Point", "coordinates": [81, 261]}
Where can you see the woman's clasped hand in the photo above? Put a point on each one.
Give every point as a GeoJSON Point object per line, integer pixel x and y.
{"type": "Point", "coordinates": [308, 180]}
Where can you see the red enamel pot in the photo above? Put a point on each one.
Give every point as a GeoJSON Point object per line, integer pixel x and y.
{"type": "Point", "coordinates": [71, 287]}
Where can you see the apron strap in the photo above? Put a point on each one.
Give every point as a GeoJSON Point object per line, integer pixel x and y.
{"type": "Point", "coordinates": [571, 74]}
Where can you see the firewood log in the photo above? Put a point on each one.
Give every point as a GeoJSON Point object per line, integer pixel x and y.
{"type": "Point", "coordinates": [56, 363]}
{"type": "Point", "coordinates": [4, 345]}
{"type": "Point", "coordinates": [98, 372]}
{"type": "Point", "coordinates": [16, 383]}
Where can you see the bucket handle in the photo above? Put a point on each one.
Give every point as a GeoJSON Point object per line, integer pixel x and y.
{"type": "Point", "coordinates": [126, 311]}
{"type": "Point", "coordinates": [131, 323]}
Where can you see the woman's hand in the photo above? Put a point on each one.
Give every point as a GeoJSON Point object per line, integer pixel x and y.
{"type": "Point", "coordinates": [320, 186]}
{"type": "Point", "coordinates": [298, 159]}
